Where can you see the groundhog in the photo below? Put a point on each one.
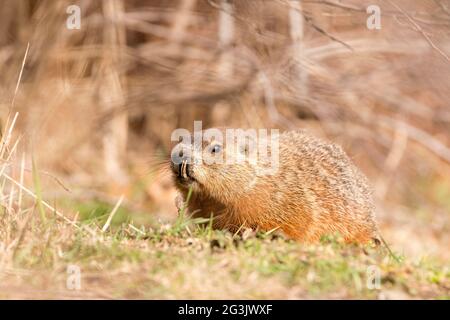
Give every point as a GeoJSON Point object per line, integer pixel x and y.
{"type": "Point", "coordinates": [314, 189]}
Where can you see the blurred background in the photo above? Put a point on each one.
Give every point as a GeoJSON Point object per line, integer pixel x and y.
{"type": "Point", "coordinates": [97, 105]}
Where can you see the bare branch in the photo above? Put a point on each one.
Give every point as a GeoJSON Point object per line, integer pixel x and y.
{"type": "Point", "coordinates": [419, 29]}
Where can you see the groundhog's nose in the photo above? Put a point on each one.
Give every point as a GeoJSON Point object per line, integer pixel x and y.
{"type": "Point", "coordinates": [180, 164]}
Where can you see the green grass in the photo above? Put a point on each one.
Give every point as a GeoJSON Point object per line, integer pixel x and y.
{"type": "Point", "coordinates": [187, 259]}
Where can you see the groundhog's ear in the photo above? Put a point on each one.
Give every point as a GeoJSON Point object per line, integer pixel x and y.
{"type": "Point", "coordinates": [244, 148]}
{"type": "Point", "coordinates": [213, 135]}
{"type": "Point", "coordinates": [248, 145]}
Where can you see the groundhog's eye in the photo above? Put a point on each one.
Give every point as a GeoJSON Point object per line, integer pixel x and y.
{"type": "Point", "coordinates": [216, 148]}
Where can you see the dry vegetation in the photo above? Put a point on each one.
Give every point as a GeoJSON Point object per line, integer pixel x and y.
{"type": "Point", "coordinates": [86, 115]}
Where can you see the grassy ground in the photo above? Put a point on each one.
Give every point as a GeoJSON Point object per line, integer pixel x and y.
{"type": "Point", "coordinates": [189, 260]}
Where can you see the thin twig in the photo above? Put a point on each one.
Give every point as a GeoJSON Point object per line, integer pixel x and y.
{"type": "Point", "coordinates": [20, 75]}
{"type": "Point", "coordinates": [113, 212]}
{"type": "Point", "coordinates": [419, 29]}
{"type": "Point", "coordinates": [420, 136]}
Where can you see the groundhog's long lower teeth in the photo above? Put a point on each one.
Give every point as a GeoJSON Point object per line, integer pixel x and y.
{"type": "Point", "coordinates": [183, 169]}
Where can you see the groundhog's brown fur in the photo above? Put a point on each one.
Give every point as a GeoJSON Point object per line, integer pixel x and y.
{"type": "Point", "coordinates": [316, 191]}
